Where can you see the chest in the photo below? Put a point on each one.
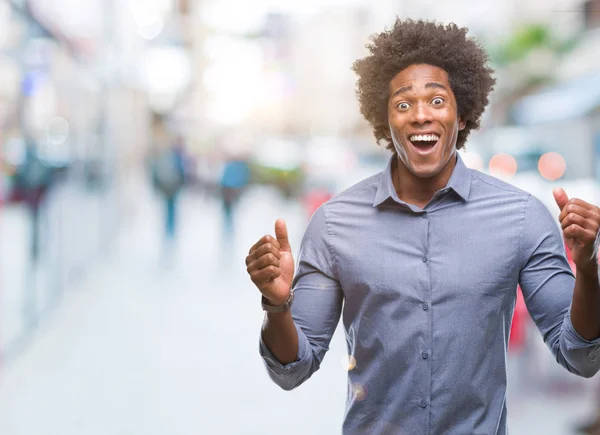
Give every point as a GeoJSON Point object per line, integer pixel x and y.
{"type": "Point", "coordinates": [430, 257]}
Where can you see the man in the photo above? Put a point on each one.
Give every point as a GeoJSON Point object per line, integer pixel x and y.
{"type": "Point", "coordinates": [234, 180]}
{"type": "Point", "coordinates": [168, 175]}
{"type": "Point", "coordinates": [424, 258]}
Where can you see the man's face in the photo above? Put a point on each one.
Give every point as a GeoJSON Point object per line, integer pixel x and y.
{"type": "Point", "coordinates": [423, 119]}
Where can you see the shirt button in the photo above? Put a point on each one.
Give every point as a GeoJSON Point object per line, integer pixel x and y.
{"type": "Point", "coordinates": [424, 215]}
{"type": "Point", "coordinates": [423, 404]}
{"type": "Point", "coordinates": [424, 259]}
{"type": "Point", "coordinates": [425, 307]}
{"type": "Point", "coordinates": [424, 355]}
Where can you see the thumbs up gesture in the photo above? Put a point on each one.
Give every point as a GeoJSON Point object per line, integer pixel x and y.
{"type": "Point", "coordinates": [580, 222]}
{"type": "Point", "coordinates": [271, 266]}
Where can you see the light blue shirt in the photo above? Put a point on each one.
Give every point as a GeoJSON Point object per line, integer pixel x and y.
{"type": "Point", "coordinates": [427, 298]}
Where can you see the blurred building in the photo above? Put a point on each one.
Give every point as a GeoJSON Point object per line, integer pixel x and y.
{"type": "Point", "coordinates": [323, 100]}
{"type": "Point", "coordinates": [79, 84]}
{"type": "Point", "coordinates": [564, 115]}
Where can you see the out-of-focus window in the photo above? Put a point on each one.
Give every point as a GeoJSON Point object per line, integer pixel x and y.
{"type": "Point", "coordinates": [591, 10]}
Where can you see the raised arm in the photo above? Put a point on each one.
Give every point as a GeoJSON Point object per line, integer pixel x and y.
{"type": "Point", "coordinates": [294, 342]}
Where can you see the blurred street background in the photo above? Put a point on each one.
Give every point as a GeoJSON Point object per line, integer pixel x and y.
{"type": "Point", "coordinates": [147, 144]}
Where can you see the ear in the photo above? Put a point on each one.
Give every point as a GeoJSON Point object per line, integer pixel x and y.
{"type": "Point", "coordinates": [461, 124]}
{"type": "Point", "coordinates": [387, 133]}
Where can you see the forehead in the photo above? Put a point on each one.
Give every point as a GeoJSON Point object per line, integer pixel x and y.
{"type": "Point", "coordinates": [419, 73]}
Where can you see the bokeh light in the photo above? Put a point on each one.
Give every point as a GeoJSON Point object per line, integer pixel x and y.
{"type": "Point", "coordinates": [359, 392]}
{"type": "Point", "coordinates": [552, 166]}
{"type": "Point", "coordinates": [349, 362]}
{"type": "Point", "coordinates": [151, 29]}
{"type": "Point", "coordinates": [503, 165]}
{"type": "Point", "coordinates": [473, 160]}
{"type": "Point", "coordinates": [57, 130]}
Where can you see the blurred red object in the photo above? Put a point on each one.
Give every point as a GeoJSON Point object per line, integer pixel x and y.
{"type": "Point", "coordinates": [516, 340]}
{"type": "Point", "coordinates": [314, 199]}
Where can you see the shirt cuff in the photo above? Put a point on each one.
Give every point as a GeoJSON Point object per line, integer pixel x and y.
{"type": "Point", "coordinates": [273, 363]}
{"type": "Point", "coordinates": [575, 341]}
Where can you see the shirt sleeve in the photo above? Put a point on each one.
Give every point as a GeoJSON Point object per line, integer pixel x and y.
{"type": "Point", "coordinates": [547, 283]}
{"type": "Point", "coordinates": [316, 308]}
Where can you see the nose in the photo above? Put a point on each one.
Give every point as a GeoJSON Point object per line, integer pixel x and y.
{"type": "Point", "coordinates": [422, 114]}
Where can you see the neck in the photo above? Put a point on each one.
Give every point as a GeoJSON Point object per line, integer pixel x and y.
{"type": "Point", "coordinates": [419, 191]}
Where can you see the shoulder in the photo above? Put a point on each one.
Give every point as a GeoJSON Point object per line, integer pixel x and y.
{"type": "Point", "coordinates": [343, 206]}
{"type": "Point", "coordinates": [489, 184]}
{"type": "Point", "coordinates": [362, 192]}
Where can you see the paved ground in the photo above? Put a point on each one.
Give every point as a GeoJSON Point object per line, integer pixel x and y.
{"type": "Point", "coordinates": [148, 347]}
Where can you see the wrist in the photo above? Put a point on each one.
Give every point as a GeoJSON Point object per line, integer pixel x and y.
{"type": "Point", "coordinates": [277, 306]}
{"type": "Point", "coordinates": [276, 301]}
{"type": "Point", "coordinates": [589, 270]}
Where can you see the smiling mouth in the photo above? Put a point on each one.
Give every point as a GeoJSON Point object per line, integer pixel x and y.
{"type": "Point", "coordinates": [424, 142]}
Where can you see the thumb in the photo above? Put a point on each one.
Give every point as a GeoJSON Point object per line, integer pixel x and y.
{"type": "Point", "coordinates": [561, 198]}
{"type": "Point", "coordinates": [282, 235]}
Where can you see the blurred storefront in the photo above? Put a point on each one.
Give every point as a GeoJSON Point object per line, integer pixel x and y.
{"type": "Point", "coordinates": [73, 104]}
{"type": "Point", "coordinates": [565, 116]}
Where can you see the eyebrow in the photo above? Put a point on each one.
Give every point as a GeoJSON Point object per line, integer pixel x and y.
{"type": "Point", "coordinates": [428, 85]}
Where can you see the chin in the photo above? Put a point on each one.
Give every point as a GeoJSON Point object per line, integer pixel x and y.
{"type": "Point", "coordinates": [425, 169]}
{"type": "Point", "coordinates": [424, 172]}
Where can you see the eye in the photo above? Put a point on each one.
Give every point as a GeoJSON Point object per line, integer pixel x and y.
{"type": "Point", "coordinates": [403, 106]}
{"type": "Point", "coordinates": [437, 101]}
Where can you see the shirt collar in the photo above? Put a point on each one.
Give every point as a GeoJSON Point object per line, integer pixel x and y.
{"type": "Point", "coordinates": [460, 182]}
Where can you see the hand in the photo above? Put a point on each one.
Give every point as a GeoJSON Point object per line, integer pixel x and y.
{"type": "Point", "coordinates": [580, 222]}
{"type": "Point", "coordinates": [271, 266]}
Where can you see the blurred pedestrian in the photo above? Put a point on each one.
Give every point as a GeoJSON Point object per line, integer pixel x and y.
{"type": "Point", "coordinates": [168, 174]}
{"type": "Point", "coordinates": [424, 258]}
{"type": "Point", "coordinates": [32, 181]}
{"type": "Point", "coordinates": [234, 180]}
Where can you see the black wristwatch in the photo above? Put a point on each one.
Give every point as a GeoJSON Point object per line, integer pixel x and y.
{"type": "Point", "coordinates": [278, 308]}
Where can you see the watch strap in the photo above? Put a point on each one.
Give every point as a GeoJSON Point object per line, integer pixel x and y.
{"type": "Point", "coordinates": [277, 308]}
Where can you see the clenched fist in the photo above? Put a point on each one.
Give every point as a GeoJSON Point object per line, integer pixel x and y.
{"type": "Point", "coordinates": [580, 222]}
{"type": "Point", "coordinates": [271, 266]}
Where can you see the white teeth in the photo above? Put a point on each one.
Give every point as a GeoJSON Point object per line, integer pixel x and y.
{"type": "Point", "coordinates": [424, 137]}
